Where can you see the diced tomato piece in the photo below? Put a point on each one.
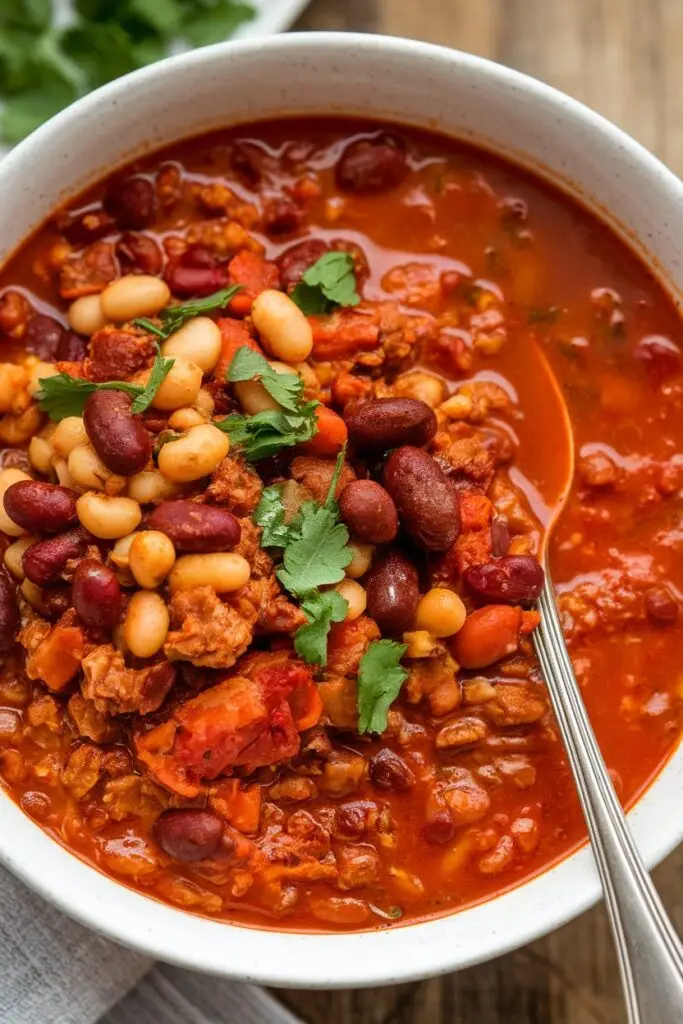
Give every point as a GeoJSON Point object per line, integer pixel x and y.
{"type": "Point", "coordinates": [343, 334]}
{"type": "Point", "coordinates": [234, 336]}
{"type": "Point", "coordinates": [239, 805]}
{"type": "Point", "coordinates": [255, 275]}
{"type": "Point", "coordinates": [330, 437]}
{"type": "Point", "coordinates": [476, 511]}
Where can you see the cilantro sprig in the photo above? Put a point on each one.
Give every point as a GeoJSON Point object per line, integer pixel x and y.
{"type": "Point", "coordinates": [315, 553]}
{"type": "Point", "coordinates": [173, 318]}
{"type": "Point", "coordinates": [268, 432]}
{"type": "Point", "coordinates": [44, 68]}
{"type": "Point", "coordinates": [328, 284]}
{"type": "Point", "coordinates": [63, 395]}
{"type": "Point", "coordinates": [380, 679]}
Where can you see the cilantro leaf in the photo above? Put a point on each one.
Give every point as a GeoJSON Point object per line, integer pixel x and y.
{"type": "Point", "coordinates": [380, 679]}
{"type": "Point", "coordinates": [318, 555]}
{"type": "Point", "coordinates": [24, 113]}
{"type": "Point", "coordinates": [322, 608]}
{"type": "Point", "coordinates": [217, 22]}
{"type": "Point", "coordinates": [63, 395]}
{"type": "Point", "coordinates": [329, 283]}
{"type": "Point", "coordinates": [270, 431]}
{"type": "Point", "coordinates": [173, 318]}
{"type": "Point", "coordinates": [286, 388]}
{"type": "Point", "coordinates": [270, 515]}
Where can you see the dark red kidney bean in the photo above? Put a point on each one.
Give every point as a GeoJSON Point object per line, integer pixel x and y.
{"type": "Point", "coordinates": [81, 227]}
{"type": "Point", "coordinates": [297, 259]}
{"type": "Point", "coordinates": [45, 561]}
{"type": "Point", "coordinates": [9, 612]}
{"type": "Point", "coordinates": [72, 348]}
{"type": "Point", "coordinates": [52, 603]}
{"type": "Point", "coordinates": [281, 216]}
{"type": "Point", "coordinates": [193, 527]}
{"type": "Point", "coordinates": [384, 423]}
{"type": "Point", "coordinates": [40, 507]}
{"type": "Point", "coordinates": [246, 160]}
{"type": "Point", "coordinates": [426, 500]}
{"type": "Point", "coordinates": [660, 356]}
{"type": "Point", "coordinates": [388, 771]}
{"type": "Point", "coordinates": [439, 829]}
{"type": "Point", "coordinates": [369, 512]}
{"type": "Point", "coordinates": [392, 588]}
{"type": "Point", "coordinates": [500, 536]}
{"type": "Point", "coordinates": [187, 282]}
{"type": "Point", "coordinates": [372, 165]}
{"type": "Point", "coordinates": [96, 595]}
{"type": "Point", "coordinates": [43, 336]}
{"type": "Point", "coordinates": [188, 835]}
{"type": "Point", "coordinates": [661, 607]}
{"type": "Point", "coordinates": [513, 579]}
{"type": "Point", "coordinates": [119, 438]}
{"type": "Point", "coordinates": [139, 254]}
{"type": "Point", "coordinates": [132, 202]}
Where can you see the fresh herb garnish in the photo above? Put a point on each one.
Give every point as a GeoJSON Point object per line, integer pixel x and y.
{"type": "Point", "coordinates": [173, 318]}
{"type": "Point", "coordinates": [380, 679]}
{"type": "Point", "coordinates": [63, 395]}
{"type": "Point", "coordinates": [43, 68]}
{"type": "Point", "coordinates": [285, 388]}
{"type": "Point", "coordinates": [327, 285]}
{"type": "Point", "coordinates": [315, 553]}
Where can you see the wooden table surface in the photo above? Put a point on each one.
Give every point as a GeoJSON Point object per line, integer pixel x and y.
{"type": "Point", "coordinates": [622, 57]}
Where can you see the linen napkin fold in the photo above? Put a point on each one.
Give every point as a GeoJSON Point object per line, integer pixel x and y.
{"type": "Point", "coordinates": [55, 971]}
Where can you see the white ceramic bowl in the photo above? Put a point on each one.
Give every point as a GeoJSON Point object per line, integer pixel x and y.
{"type": "Point", "coordinates": [416, 84]}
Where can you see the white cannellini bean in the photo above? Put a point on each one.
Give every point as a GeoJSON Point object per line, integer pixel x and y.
{"type": "Point", "coordinates": [282, 327]}
{"type": "Point", "coordinates": [108, 518]}
{"type": "Point", "coordinates": [134, 295]}
{"type": "Point", "coordinates": [224, 571]}
{"type": "Point", "coordinates": [7, 478]}
{"type": "Point", "coordinates": [198, 341]}
{"type": "Point", "coordinates": [145, 626]}
{"type": "Point", "coordinates": [86, 315]}
{"type": "Point", "coordinates": [196, 454]}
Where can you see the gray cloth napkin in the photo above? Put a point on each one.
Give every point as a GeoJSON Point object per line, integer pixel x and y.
{"type": "Point", "coordinates": [54, 971]}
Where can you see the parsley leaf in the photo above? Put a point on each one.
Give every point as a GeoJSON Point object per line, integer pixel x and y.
{"type": "Point", "coordinates": [270, 515]}
{"type": "Point", "coordinates": [270, 431]}
{"type": "Point", "coordinates": [218, 22]}
{"type": "Point", "coordinates": [322, 608]}
{"type": "Point", "coordinates": [63, 395]}
{"type": "Point", "coordinates": [380, 679]}
{"type": "Point", "coordinates": [329, 283]}
{"type": "Point", "coordinates": [173, 318]}
{"type": "Point", "coordinates": [286, 388]}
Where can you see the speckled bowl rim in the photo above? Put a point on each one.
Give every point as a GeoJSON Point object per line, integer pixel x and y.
{"type": "Point", "coordinates": [461, 939]}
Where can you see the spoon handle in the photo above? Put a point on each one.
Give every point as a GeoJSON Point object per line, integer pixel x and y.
{"type": "Point", "coordinates": [649, 950]}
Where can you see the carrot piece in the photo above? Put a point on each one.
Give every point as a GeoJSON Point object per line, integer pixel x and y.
{"type": "Point", "coordinates": [234, 336]}
{"type": "Point", "coordinates": [330, 437]}
{"type": "Point", "coordinates": [58, 658]}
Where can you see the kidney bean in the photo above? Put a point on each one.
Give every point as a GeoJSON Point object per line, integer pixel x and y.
{"type": "Point", "coordinates": [43, 336]}
{"type": "Point", "coordinates": [46, 560]}
{"type": "Point", "coordinates": [131, 202]}
{"type": "Point", "coordinates": [40, 507]}
{"type": "Point", "coordinates": [52, 603]}
{"type": "Point", "coordinates": [119, 438]}
{"type": "Point", "coordinates": [372, 165]}
{"type": "Point", "coordinates": [246, 159]}
{"type": "Point", "coordinates": [385, 423]}
{"type": "Point", "coordinates": [390, 772]}
{"type": "Point", "coordinates": [96, 595]}
{"type": "Point", "coordinates": [81, 227]}
{"type": "Point", "coordinates": [426, 500]}
{"type": "Point", "coordinates": [9, 612]}
{"type": "Point", "coordinates": [186, 282]}
{"type": "Point", "coordinates": [298, 258]}
{"type": "Point", "coordinates": [661, 607]}
{"type": "Point", "coordinates": [369, 512]}
{"type": "Point", "coordinates": [500, 536]}
{"type": "Point", "coordinates": [139, 254]}
{"type": "Point", "coordinates": [196, 528]}
{"type": "Point", "coordinates": [393, 591]}
{"type": "Point", "coordinates": [188, 835]}
{"type": "Point", "coordinates": [513, 579]}
{"type": "Point", "coordinates": [660, 356]}
{"type": "Point", "coordinates": [281, 216]}
{"type": "Point", "coordinates": [440, 828]}
{"type": "Point", "coordinates": [72, 348]}
{"type": "Point", "coordinates": [488, 635]}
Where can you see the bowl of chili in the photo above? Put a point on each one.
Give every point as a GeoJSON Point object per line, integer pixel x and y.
{"type": "Point", "coordinates": [273, 489]}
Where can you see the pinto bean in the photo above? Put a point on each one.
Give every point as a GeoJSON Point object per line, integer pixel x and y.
{"type": "Point", "coordinates": [119, 438]}
{"type": "Point", "coordinates": [372, 165]}
{"type": "Point", "coordinates": [196, 528]}
{"type": "Point", "coordinates": [45, 561]}
{"type": "Point", "coordinates": [369, 512]}
{"type": "Point", "coordinates": [131, 202]}
{"type": "Point", "coordinates": [96, 595]}
{"type": "Point", "coordinates": [488, 635]}
{"type": "Point", "coordinates": [426, 500]}
{"type": "Point", "coordinates": [392, 588]}
{"type": "Point", "coordinates": [390, 772]}
{"type": "Point", "coordinates": [385, 423]}
{"type": "Point", "coordinates": [513, 579]}
{"type": "Point", "coordinates": [188, 835]}
{"type": "Point", "coordinates": [9, 612]}
{"type": "Point", "coordinates": [40, 507]}
{"type": "Point", "coordinates": [661, 607]}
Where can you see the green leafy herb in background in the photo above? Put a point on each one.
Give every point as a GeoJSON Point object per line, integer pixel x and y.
{"type": "Point", "coordinates": [43, 69]}
{"type": "Point", "coordinates": [328, 284]}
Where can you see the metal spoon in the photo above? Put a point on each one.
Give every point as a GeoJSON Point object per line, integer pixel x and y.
{"type": "Point", "coordinates": [649, 950]}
